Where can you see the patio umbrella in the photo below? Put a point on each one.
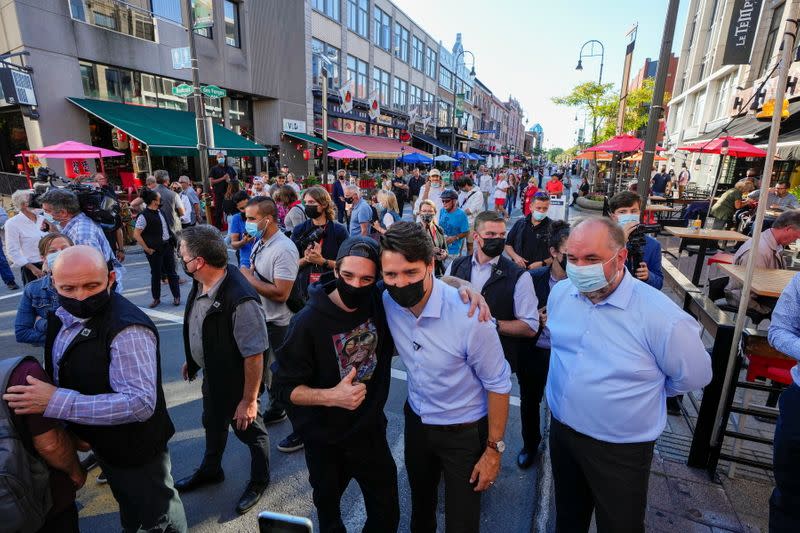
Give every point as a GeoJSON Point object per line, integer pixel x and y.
{"type": "Point", "coordinates": [618, 143]}
{"type": "Point", "coordinates": [347, 154]}
{"type": "Point", "coordinates": [471, 157]}
{"type": "Point", "coordinates": [638, 157]}
{"type": "Point", "coordinates": [444, 158]}
{"type": "Point", "coordinates": [415, 159]}
{"type": "Point", "coordinates": [594, 156]}
{"type": "Point", "coordinates": [72, 150]}
{"type": "Point", "coordinates": [479, 157]}
{"type": "Point", "coordinates": [736, 147]}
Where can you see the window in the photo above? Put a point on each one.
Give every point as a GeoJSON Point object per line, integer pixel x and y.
{"type": "Point", "coordinates": [329, 8]}
{"type": "Point", "coordinates": [167, 9]}
{"type": "Point", "coordinates": [357, 71]}
{"type": "Point", "coordinates": [232, 23]}
{"type": "Point", "coordinates": [358, 16]}
{"type": "Point", "coordinates": [429, 105]}
{"type": "Point", "coordinates": [430, 67]}
{"type": "Point", "coordinates": [724, 93]}
{"type": "Point", "coordinates": [400, 42]}
{"type": "Point", "coordinates": [208, 33]}
{"type": "Point", "coordinates": [415, 100]}
{"type": "Point", "coordinates": [444, 113]}
{"type": "Point", "coordinates": [400, 93]}
{"type": "Point", "coordinates": [417, 54]}
{"type": "Point", "coordinates": [772, 35]}
{"type": "Point", "coordinates": [699, 107]}
{"type": "Point", "coordinates": [380, 83]}
{"type": "Point", "coordinates": [115, 16]}
{"type": "Point", "coordinates": [383, 24]}
{"type": "Point", "coordinates": [446, 78]}
{"type": "Point", "coordinates": [319, 48]}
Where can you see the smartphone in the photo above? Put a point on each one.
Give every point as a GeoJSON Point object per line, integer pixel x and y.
{"type": "Point", "coordinates": [269, 522]}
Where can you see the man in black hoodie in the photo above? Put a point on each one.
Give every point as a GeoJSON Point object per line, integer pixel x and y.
{"type": "Point", "coordinates": [333, 375]}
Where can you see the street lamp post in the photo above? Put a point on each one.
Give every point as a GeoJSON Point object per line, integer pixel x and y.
{"type": "Point", "coordinates": [602, 56]}
{"type": "Point", "coordinates": [199, 107]}
{"type": "Point", "coordinates": [324, 105]}
{"type": "Point", "coordinates": [455, 88]}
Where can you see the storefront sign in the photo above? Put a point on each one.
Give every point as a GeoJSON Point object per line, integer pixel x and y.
{"type": "Point", "coordinates": [181, 58]}
{"type": "Point", "coordinates": [203, 13]}
{"type": "Point", "coordinates": [384, 119]}
{"type": "Point", "coordinates": [212, 91]}
{"type": "Point", "coordinates": [741, 32]}
{"type": "Point", "coordinates": [76, 168]}
{"type": "Point", "coordinates": [294, 126]}
{"type": "Point", "coordinates": [183, 90]}
{"type": "Point", "coordinates": [17, 87]}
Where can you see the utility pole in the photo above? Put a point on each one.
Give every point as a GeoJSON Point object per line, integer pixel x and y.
{"type": "Point", "coordinates": [197, 99]}
{"type": "Point", "coordinates": [324, 69]}
{"type": "Point", "coordinates": [657, 105]}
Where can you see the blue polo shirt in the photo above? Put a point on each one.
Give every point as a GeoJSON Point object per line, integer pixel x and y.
{"type": "Point", "coordinates": [361, 212]}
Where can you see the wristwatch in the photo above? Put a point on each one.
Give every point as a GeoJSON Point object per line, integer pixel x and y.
{"type": "Point", "coordinates": [498, 446]}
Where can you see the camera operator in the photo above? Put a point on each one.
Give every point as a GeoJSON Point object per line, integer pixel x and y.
{"type": "Point", "coordinates": [317, 238]}
{"type": "Point", "coordinates": [644, 252]}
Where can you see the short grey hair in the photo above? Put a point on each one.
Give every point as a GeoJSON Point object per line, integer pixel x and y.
{"type": "Point", "coordinates": [21, 197]}
{"type": "Point", "coordinates": [207, 242]}
{"type": "Point", "coordinates": [352, 188]}
{"type": "Point", "coordinates": [150, 180]}
{"type": "Point", "coordinates": [788, 219]}
{"type": "Point", "coordinates": [615, 233]}
{"type": "Point", "coordinates": [162, 176]}
{"type": "Point", "coordinates": [184, 179]}
{"type": "Point", "coordinates": [61, 199]}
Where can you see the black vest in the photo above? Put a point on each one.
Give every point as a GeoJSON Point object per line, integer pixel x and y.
{"type": "Point", "coordinates": [499, 294]}
{"type": "Point", "coordinates": [153, 233]}
{"type": "Point", "coordinates": [84, 368]}
{"type": "Point", "coordinates": [224, 364]}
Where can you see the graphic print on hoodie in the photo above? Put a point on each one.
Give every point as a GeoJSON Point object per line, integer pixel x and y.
{"type": "Point", "coordinates": [357, 348]}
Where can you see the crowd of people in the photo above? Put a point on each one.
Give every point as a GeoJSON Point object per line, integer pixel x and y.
{"type": "Point", "coordinates": [326, 288]}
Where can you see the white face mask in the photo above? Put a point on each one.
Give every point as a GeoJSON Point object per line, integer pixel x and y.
{"type": "Point", "coordinates": [589, 278]}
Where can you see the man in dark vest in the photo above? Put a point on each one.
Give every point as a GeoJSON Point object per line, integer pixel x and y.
{"type": "Point", "coordinates": [509, 293]}
{"type": "Point", "coordinates": [225, 334]}
{"type": "Point", "coordinates": [102, 353]}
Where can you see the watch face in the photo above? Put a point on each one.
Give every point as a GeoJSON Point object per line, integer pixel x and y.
{"type": "Point", "coordinates": [501, 446]}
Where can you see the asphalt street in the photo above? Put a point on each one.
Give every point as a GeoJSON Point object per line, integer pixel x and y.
{"type": "Point", "coordinates": [507, 507]}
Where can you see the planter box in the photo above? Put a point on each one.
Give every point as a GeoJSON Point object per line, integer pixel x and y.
{"type": "Point", "coordinates": [585, 203]}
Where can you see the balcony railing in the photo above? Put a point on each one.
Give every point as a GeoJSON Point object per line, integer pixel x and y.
{"type": "Point", "coordinates": [114, 15]}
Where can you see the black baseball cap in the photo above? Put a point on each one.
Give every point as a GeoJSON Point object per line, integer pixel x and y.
{"type": "Point", "coordinates": [449, 194]}
{"type": "Point", "coordinates": [360, 246]}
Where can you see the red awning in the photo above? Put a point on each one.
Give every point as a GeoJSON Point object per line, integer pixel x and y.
{"type": "Point", "coordinates": [736, 146]}
{"type": "Point", "coordinates": [376, 147]}
{"type": "Point", "coordinates": [620, 143]}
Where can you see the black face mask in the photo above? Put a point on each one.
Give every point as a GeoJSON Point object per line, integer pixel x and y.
{"type": "Point", "coordinates": [353, 297]}
{"type": "Point", "coordinates": [493, 247]}
{"type": "Point", "coordinates": [312, 211]}
{"type": "Point", "coordinates": [407, 296]}
{"type": "Point", "coordinates": [426, 218]}
{"type": "Point", "coordinates": [88, 307]}
{"type": "Point", "coordinates": [185, 267]}
{"type": "Point", "coordinates": [348, 200]}
{"type": "Point", "coordinates": [563, 263]}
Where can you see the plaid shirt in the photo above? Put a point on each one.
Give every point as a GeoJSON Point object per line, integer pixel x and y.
{"type": "Point", "coordinates": [131, 373]}
{"type": "Point", "coordinates": [83, 230]}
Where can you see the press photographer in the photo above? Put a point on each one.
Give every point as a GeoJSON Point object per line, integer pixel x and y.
{"type": "Point", "coordinates": [644, 252]}
{"type": "Point", "coordinates": [318, 238]}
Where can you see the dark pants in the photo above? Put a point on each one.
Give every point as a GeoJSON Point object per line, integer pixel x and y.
{"type": "Point", "coordinates": [366, 459]}
{"type": "Point", "coordinates": [401, 202]}
{"type": "Point", "coordinates": [607, 478]}
{"type": "Point", "coordinates": [219, 215]}
{"type": "Point", "coordinates": [163, 262]}
{"type": "Point", "coordinates": [340, 212]}
{"type": "Point", "coordinates": [5, 269]}
{"type": "Point", "coordinates": [254, 437]}
{"type": "Point", "coordinates": [27, 275]}
{"type": "Point", "coordinates": [433, 450]}
{"type": "Point", "coordinates": [146, 496]}
{"type": "Point", "coordinates": [65, 521]}
{"type": "Point", "coordinates": [276, 335]}
{"type": "Point", "coordinates": [784, 505]}
{"type": "Point", "coordinates": [532, 376]}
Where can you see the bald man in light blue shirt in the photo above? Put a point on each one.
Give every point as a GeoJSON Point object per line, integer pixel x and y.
{"type": "Point", "coordinates": [619, 348]}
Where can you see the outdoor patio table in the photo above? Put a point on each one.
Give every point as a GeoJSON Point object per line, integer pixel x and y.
{"type": "Point", "coordinates": [704, 236]}
{"type": "Point", "coordinates": [768, 282]}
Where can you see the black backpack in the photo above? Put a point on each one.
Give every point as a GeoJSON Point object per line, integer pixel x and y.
{"type": "Point", "coordinates": [25, 497]}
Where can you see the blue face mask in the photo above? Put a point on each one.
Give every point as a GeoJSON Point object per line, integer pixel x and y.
{"type": "Point", "coordinates": [252, 229]}
{"type": "Point", "coordinates": [588, 278]}
{"type": "Point", "coordinates": [49, 217]}
{"type": "Point", "coordinates": [51, 259]}
{"type": "Point", "coordinates": [538, 215]}
{"type": "Point", "coordinates": [623, 220]}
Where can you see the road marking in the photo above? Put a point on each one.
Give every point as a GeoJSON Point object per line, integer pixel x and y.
{"type": "Point", "coordinates": [12, 295]}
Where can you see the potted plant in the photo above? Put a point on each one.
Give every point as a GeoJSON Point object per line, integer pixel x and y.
{"type": "Point", "coordinates": [592, 201]}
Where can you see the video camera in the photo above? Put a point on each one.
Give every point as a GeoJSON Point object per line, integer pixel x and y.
{"type": "Point", "coordinates": [311, 237]}
{"type": "Point", "coordinates": [95, 203]}
{"type": "Point", "coordinates": [637, 241]}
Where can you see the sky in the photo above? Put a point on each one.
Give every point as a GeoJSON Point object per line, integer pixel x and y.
{"type": "Point", "coordinates": [529, 48]}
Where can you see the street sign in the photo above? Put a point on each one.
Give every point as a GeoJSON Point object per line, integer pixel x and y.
{"type": "Point", "coordinates": [459, 105]}
{"type": "Point", "coordinates": [203, 14]}
{"type": "Point", "coordinates": [181, 58]}
{"type": "Point", "coordinates": [487, 131]}
{"type": "Point", "coordinates": [212, 91]}
{"type": "Point", "coordinates": [184, 90]}
{"type": "Point", "coordinates": [294, 126]}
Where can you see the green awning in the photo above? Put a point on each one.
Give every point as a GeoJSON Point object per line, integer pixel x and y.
{"type": "Point", "coordinates": [166, 132]}
{"type": "Point", "coordinates": [332, 145]}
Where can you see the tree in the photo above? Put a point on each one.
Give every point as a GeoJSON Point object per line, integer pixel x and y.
{"type": "Point", "coordinates": [553, 153]}
{"type": "Point", "coordinates": [637, 110]}
{"type": "Point", "coordinates": [595, 99]}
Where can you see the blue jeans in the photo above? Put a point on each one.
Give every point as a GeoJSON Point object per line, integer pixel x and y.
{"type": "Point", "coordinates": [784, 505]}
{"type": "Point", "coordinates": [5, 269]}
